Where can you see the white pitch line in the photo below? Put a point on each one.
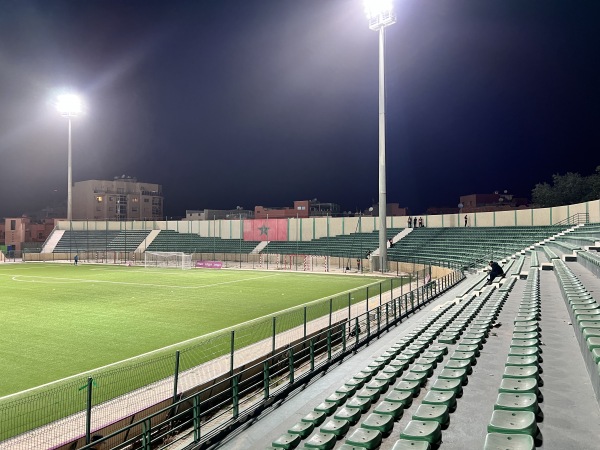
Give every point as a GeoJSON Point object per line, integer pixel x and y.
{"type": "Point", "coordinates": [79, 280]}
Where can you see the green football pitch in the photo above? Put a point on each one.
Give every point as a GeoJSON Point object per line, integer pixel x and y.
{"type": "Point", "coordinates": [59, 320]}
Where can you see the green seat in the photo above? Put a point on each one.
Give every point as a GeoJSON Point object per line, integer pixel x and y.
{"type": "Point", "coordinates": [423, 430]}
{"type": "Point", "coordinates": [448, 385]}
{"type": "Point", "coordinates": [529, 329]}
{"type": "Point", "coordinates": [522, 372]}
{"type": "Point", "coordinates": [401, 363]}
{"type": "Point", "coordinates": [439, 413]}
{"type": "Point", "coordinates": [380, 422]}
{"type": "Point", "coordinates": [393, 372]}
{"type": "Point", "coordinates": [439, 348]}
{"type": "Point", "coordinates": [302, 428]}
{"type": "Point", "coordinates": [381, 385]}
{"type": "Point", "coordinates": [528, 335]}
{"type": "Point", "coordinates": [464, 356]}
{"type": "Point", "coordinates": [420, 378]}
{"type": "Point", "coordinates": [517, 402]}
{"type": "Point", "coordinates": [525, 351]}
{"type": "Point", "coordinates": [427, 369]}
{"type": "Point", "coordinates": [518, 422]}
{"type": "Point", "coordinates": [336, 427]}
{"type": "Point", "coordinates": [436, 355]}
{"type": "Point", "coordinates": [403, 444]}
{"type": "Point", "coordinates": [371, 394]}
{"type": "Point", "coordinates": [326, 407]}
{"type": "Point", "coordinates": [350, 414]}
{"type": "Point", "coordinates": [362, 403]}
{"type": "Point", "coordinates": [500, 441]}
{"type": "Point", "coordinates": [408, 386]}
{"type": "Point", "coordinates": [459, 364]}
{"type": "Point", "coordinates": [402, 397]}
{"type": "Point", "coordinates": [447, 338]}
{"type": "Point", "coordinates": [363, 438]}
{"type": "Point", "coordinates": [347, 390]}
{"type": "Point", "coordinates": [447, 398]}
{"type": "Point", "coordinates": [454, 374]}
{"type": "Point", "coordinates": [387, 377]}
{"type": "Point", "coordinates": [524, 343]}
{"type": "Point", "coordinates": [355, 383]}
{"type": "Point", "coordinates": [468, 348]}
{"type": "Point", "coordinates": [476, 342]}
{"type": "Point", "coordinates": [518, 385]}
{"type": "Point", "coordinates": [427, 360]}
{"type": "Point", "coordinates": [315, 417]}
{"type": "Point", "coordinates": [523, 361]}
{"type": "Point", "coordinates": [337, 398]}
{"type": "Point", "coordinates": [387, 408]}
{"type": "Point", "coordinates": [287, 441]}
{"type": "Point", "coordinates": [321, 441]}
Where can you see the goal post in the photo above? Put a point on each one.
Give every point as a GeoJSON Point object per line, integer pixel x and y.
{"type": "Point", "coordinates": [173, 260]}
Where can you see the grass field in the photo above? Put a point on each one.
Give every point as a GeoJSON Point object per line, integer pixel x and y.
{"type": "Point", "coordinates": [59, 320]}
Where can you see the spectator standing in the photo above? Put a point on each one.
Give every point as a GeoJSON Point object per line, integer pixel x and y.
{"type": "Point", "coordinates": [409, 222]}
{"type": "Point", "coordinates": [466, 220]}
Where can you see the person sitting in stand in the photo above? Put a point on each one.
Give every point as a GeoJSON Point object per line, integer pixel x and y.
{"type": "Point", "coordinates": [495, 271]}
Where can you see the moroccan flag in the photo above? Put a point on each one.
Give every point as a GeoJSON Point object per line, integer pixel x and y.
{"type": "Point", "coordinates": [265, 230]}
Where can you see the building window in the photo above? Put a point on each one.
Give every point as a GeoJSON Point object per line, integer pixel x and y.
{"type": "Point", "coordinates": [111, 199]}
{"type": "Point", "coordinates": [146, 200]}
{"type": "Point", "coordinates": [99, 198]}
{"type": "Point", "coordinates": [13, 225]}
{"type": "Point", "coordinates": [135, 200]}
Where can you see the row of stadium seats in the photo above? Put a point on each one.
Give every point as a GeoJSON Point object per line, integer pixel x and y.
{"type": "Point", "coordinates": [173, 241]}
{"type": "Point", "coordinates": [93, 240]}
{"type": "Point", "coordinates": [353, 245]}
{"type": "Point", "coordinates": [413, 358]}
{"type": "Point", "coordinates": [514, 420]}
{"type": "Point", "coordinates": [585, 316]}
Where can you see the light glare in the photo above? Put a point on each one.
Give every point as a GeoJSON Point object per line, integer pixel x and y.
{"type": "Point", "coordinates": [69, 104]}
{"type": "Point", "coordinates": [374, 8]}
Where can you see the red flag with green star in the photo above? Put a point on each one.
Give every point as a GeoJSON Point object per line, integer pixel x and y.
{"type": "Point", "coordinates": [265, 230]}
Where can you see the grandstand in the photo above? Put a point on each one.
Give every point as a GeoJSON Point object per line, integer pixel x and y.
{"type": "Point", "coordinates": [452, 364]}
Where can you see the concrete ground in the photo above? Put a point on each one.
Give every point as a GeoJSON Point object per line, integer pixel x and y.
{"type": "Point", "coordinates": [571, 412]}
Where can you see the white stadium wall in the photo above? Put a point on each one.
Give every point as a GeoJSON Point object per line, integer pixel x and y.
{"type": "Point", "coordinates": [318, 227]}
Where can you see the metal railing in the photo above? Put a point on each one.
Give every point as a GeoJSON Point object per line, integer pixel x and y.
{"type": "Point", "coordinates": [207, 413]}
{"type": "Point", "coordinates": [575, 219]}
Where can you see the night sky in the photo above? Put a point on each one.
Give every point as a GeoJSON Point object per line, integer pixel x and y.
{"type": "Point", "coordinates": [263, 102]}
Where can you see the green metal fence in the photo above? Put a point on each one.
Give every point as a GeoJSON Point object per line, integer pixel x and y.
{"type": "Point", "coordinates": [296, 342]}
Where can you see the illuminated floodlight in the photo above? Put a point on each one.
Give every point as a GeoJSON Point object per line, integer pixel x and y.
{"type": "Point", "coordinates": [380, 13]}
{"type": "Point", "coordinates": [69, 105]}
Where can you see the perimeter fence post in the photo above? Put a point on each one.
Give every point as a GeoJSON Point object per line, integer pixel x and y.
{"type": "Point", "coordinates": [176, 376]}
{"type": "Point", "coordinates": [312, 354]}
{"type": "Point", "coordinates": [330, 311]}
{"type": "Point", "coordinates": [235, 394]}
{"type": "Point", "coordinates": [305, 322]}
{"type": "Point", "coordinates": [88, 411]}
{"type": "Point", "coordinates": [291, 364]}
{"type": "Point", "coordinates": [266, 379]}
{"type": "Point", "coordinates": [274, 328]}
{"type": "Point", "coordinates": [357, 332]}
{"type": "Point", "coordinates": [196, 415]}
{"type": "Point", "coordinates": [232, 351]}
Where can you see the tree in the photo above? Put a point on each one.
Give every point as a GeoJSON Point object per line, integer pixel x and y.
{"type": "Point", "coordinates": [567, 189]}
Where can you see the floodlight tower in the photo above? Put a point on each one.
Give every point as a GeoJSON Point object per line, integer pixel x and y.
{"type": "Point", "coordinates": [69, 106]}
{"type": "Point", "coordinates": [380, 14]}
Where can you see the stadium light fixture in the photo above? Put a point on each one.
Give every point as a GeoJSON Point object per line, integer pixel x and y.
{"type": "Point", "coordinates": [380, 14]}
{"type": "Point", "coordinates": [69, 106]}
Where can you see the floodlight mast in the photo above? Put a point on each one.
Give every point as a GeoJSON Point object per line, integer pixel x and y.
{"type": "Point", "coordinates": [69, 106]}
{"type": "Point", "coordinates": [380, 14]}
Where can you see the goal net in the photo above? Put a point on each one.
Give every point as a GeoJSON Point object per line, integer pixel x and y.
{"type": "Point", "coordinates": [174, 260]}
